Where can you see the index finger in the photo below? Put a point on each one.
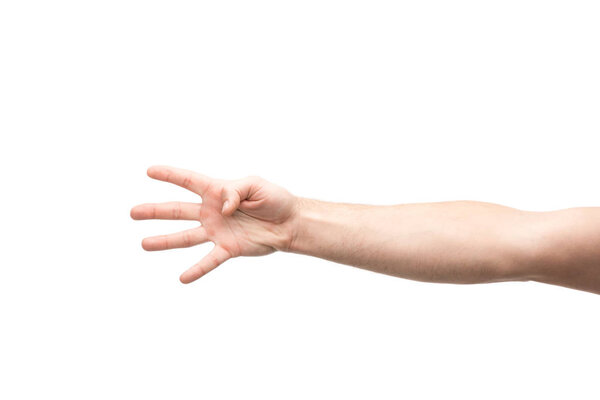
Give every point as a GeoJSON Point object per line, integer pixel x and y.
{"type": "Point", "coordinates": [189, 180]}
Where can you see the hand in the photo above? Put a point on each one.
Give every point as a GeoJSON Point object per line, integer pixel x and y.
{"type": "Point", "coordinates": [246, 217]}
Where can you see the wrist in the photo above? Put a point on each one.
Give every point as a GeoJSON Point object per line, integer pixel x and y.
{"type": "Point", "coordinates": [292, 227]}
{"type": "Point", "coordinates": [308, 221]}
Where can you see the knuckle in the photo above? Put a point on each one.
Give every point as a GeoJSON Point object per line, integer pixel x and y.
{"type": "Point", "coordinates": [177, 210]}
{"type": "Point", "coordinates": [212, 261]}
{"type": "Point", "coordinates": [187, 239]}
{"type": "Point", "coordinates": [187, 181]}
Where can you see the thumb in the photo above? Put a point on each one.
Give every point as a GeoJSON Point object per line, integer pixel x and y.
{"type": "Point", "coordinates": [231, 200]}
{"type": "Point", "coordinates": [235, 192]}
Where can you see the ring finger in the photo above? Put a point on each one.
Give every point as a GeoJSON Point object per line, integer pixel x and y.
{"type": "Point", "coordinates": [170, 210]}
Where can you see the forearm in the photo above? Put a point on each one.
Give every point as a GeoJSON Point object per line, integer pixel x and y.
{"type": "Point", "coordinates": [459, 242]}
{"type": "Point", "coordinates": [455, 242]}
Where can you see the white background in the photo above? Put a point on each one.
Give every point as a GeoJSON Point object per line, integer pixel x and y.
{"type": "Point", "coordinates": [357, 101]}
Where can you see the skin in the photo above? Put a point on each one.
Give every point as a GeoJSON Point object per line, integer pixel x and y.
{"type": "Point", "coordinates": [449, 242]}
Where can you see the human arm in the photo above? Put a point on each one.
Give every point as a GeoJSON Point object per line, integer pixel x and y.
{"type": "Point", "coordinates": [453, 242]}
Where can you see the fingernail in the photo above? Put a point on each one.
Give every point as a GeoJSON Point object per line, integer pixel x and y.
{"type": "Point", "coordinates": [225, 205]}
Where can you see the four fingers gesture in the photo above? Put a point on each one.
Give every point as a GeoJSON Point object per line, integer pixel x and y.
{"type": "Point", "coordinates": [246, 217]}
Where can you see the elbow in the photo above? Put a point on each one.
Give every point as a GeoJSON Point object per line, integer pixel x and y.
{"type": "Point", "coordinates": [563, 248]}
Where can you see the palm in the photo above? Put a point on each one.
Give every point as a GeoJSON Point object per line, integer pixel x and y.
{"type": "Point", "coordinates": [235, 232]}
{"type": "Point", "coordinates": [252, 222]}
